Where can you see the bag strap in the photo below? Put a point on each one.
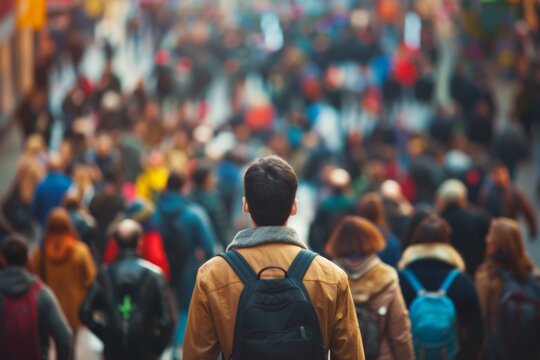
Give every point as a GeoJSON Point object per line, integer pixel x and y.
{"type": "Point", "coordinates": [413, 281]}
{"type": "Point", "coordinates": [449, 280]}
{"type": "Point", "coordinates": [240, 266]}
{"type": "Point", "coordinates": [301, 264]}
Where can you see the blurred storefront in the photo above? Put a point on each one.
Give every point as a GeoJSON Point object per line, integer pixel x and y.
{"type": "Point", "coordinates": [19, 19]}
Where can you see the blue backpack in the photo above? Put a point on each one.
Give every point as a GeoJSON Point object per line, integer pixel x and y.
{"type": "Point", "coordinates": [433, 320]}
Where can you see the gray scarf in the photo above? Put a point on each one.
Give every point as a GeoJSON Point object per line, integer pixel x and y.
{"type": "Point", "coordinates": [264, 235]}
{"type": "Point", "coordinates": [356, 268]}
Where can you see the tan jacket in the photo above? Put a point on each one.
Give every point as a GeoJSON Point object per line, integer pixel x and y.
{"type": "Point", "coordinates": [379, 288]}
{"type": "Point", "coordinates": [212, 314]}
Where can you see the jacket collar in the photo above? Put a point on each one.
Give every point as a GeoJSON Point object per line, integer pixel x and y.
{"type": "Point", "coordinates": [370, 277]}
{"type": "Point", "coordinates": [266, 234]}
{"type": "Point", "coordinates": [441, 252]}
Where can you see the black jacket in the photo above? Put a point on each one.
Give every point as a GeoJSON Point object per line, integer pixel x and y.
{"type": "Point", "coordinates": [14, 281]}
{"type": "Point", "coordinates": [129, 271]}
{"type": "Point", "coordinates": [431, 264]}
{"type": "Point", "coordinates": [469, 230]}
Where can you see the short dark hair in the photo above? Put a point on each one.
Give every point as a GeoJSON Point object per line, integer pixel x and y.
{"type": "Point", "coordinates": [200, 175]}
{"type": "Point", "coordinates": [175, 182]}
{"type": "Point", "coordinates": [14, 250]}
{"type": "Point", "coordinates": [270, 186]}
{"type": "Point", "coordinates": [432, 230]}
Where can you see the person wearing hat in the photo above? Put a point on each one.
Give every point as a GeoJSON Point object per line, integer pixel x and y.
{"type": "Point", "coordinates": [469, 227]}
{"type": "Point", "coordinates": [151, 246]}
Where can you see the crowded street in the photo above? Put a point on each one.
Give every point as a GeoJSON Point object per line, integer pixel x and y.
{"type": "Point", "coordinates": [397, 144]}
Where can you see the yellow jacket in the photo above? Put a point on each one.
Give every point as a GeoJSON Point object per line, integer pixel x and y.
{"type": "Point", "coordinates": [212, 314]}
{"type": "Point", "coordinates": [150, 183]}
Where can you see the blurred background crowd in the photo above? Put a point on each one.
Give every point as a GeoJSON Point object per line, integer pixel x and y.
{"type": "Point", "coordinates": [390, 110]}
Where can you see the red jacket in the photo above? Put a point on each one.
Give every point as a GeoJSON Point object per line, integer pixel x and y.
{"type": "Point", "coordinates": [151, 250]}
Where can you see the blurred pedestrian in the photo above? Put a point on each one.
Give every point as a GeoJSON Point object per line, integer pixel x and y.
{"type": "Point", "coordinates": [132, 295]}
{"type": "Point", "coordinates": [509, 285]}
{"type": "Point", "coordinates": [431, 259]}
{"type": "Point", "coordinates": [151, 245]}
{"type": "Point", "coordinates": [17, 204]}
{"type": "Point", "coordinates": [51, 190]}
{"type": "Point", "coordinates": [83, 223]}
{"type": "Point", "coordinates": [30, 314]}
{"type": "Point", "coordinates": [188, 239]}
{"type": "Point", "coordinates": [371, 208]}
{"type": "Point", "coordinates": [65, 264]}
{"type": "Point", "coordinates": [469, 228]}
{"type": "Point", "coordinates": [381, 310]}
{"type": "Point", "coordinates": [153, 178]}
{"type": "Point", "coordinates": [106, 207]}
{"type": "Point", "coordinates": [501, 197]}
{"type": "Point", "coordinates": [420, 213]}
{"type": "Point", "coordinates": [205, 195]}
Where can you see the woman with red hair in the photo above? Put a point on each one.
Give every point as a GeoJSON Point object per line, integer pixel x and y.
{"type": "Point", "coordinates": [65, 264]}
{"type": "Point", "coordinates": [381, 310]}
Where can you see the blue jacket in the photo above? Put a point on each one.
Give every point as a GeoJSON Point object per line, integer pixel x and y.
{"type": "Point", "coordinates": [392, 252]}
{"type": "Point", "coordinates": [196, 228]}
{"type": "Point", "coordinates": [49, 194]}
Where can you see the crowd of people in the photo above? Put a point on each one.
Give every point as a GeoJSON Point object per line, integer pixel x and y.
{"type": "Point", "coordinates": [405, 182]}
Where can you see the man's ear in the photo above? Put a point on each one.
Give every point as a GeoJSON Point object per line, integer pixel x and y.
{"type": "Point", "coordinates": [245, 207]}
{"type": "Point", "coordinates": [294, 207]}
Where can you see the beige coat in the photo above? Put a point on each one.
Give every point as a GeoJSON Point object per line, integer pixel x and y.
{"type": "Point", "coordinates": [212, 314]}
{"type": "Point", "coordinates": [379, 288]}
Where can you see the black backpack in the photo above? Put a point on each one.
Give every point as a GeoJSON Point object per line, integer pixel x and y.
{"type": "Point", "coordinates": [275, 318]}
{"type": "Point", "coordinates": [129, 319]}
{"type": "Point", "coordinates": [177, 248]}
{"type": "Point", "coordinates": [370, 328]}
{"type": "Point", "coordinates": [518, 324]}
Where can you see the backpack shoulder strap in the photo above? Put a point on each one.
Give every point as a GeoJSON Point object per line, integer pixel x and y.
{"type": "Point", "coordinates": [449, 280]}
{"type": "Point", "coordinates": [239, 265]}
{"type": "Point", "coordinates": [301, 264]}
{"type": "Point", "coordinates": [413, 281]}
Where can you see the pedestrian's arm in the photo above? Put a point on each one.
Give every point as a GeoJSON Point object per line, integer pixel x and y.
{"type": "Point", "coordinates": [470, 315]}
{"type": "Point", "coordinates": [527, 210]}
{"type": "Point", "coordinates": [345, 339]}
{"type": "Point", "coordinates": [88, 268]}
{"type": "Point", "coordinates": [205, 237]}
{"type": "Point", "coordinates": [57, 325]}
{"type": "Point", "coordinates": [201, 339]}
{"type": "Point", "coordinates": [165, 316]}
{"type": "Point", "coordinates": [398, 327]}
{"type": "Point", "coordinates": [93, 303]}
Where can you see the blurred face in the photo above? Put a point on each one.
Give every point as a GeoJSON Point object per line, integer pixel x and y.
{"type": "Point", "coordinates": [500, 177]}
{"type": "Point", "coordinates": [104, 145]}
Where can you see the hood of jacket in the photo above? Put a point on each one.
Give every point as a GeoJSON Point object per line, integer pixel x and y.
{"type": "Point", "coordinates": [15, 280]}
{"type": "Point", "coordinates": [58, 249]}
{"type": "Point", "coordinates": [441, 252]}
{"type": "Point", "coordinates": [367, 277]}
{"type": "Point", "coordinates": [170, 202]}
